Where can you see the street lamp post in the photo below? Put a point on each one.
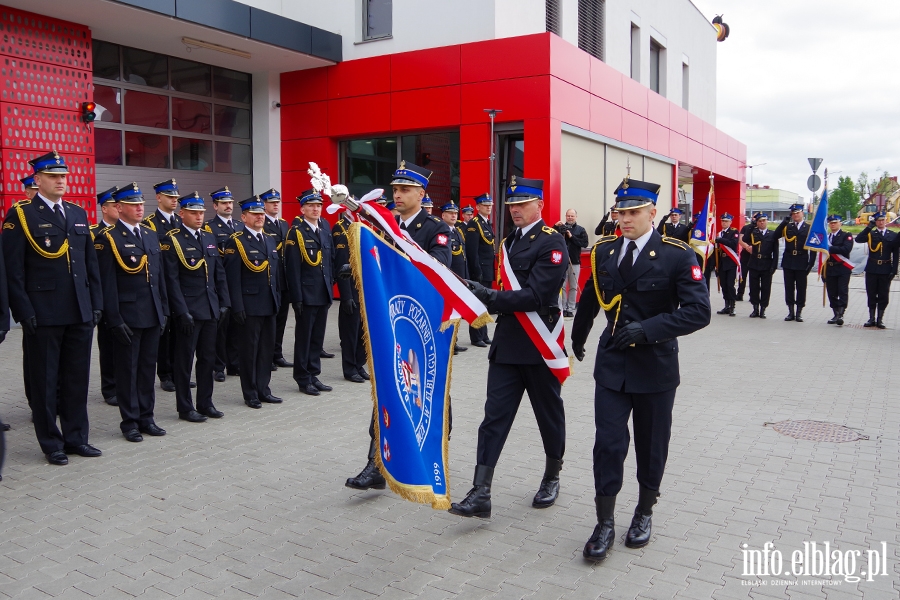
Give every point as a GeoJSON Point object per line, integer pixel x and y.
{"type": "Point", "coordinates": [492, 113]}
{"type": "Point", "coordinates": [751, 185]}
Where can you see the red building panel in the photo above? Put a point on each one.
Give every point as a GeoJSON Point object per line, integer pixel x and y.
{"type": "Point", "coordinates": [475, 141]}
{"type": "Point", "coordinates": [634, 96]}
{"type": "Point", "coordinates": [570, 63]}
{"type": "Point", "coordinates": [42, 84]}
{"type": "Point", "coordinates": [299, 121]}
{"type": "Point", "coordinates": [634, 129]}
{"type": "Point", "coordinates": [37, 128]}
{"type": "Point", "coordinates": [505, 58]}
{"type": "Point", "coordinates": [678, 147]}
{"type": "Point", "coordinates": [363, 114]}
{"type": "Point", "coordinates": [708, 162]}
{"type": "Point", "coordinates": [709, 135]}
{"type": "Point", "coordinates": [361, 77]}
{"type": "Point", "coordinates": [81, 179]}
{"type": "Point", "coordinates": [695, 153]}
{"type": "Point", "coordinates": [658, 109]}
{"type": "Point", "coordinates": [34, 37]}
{"type": "Point", "coordinates": [543, 143]}
{"type": "Point", "coordinates": [678, 119]}
{"type": "Point", "coordinates": [570, 104]}
{"type": "Point", "coordinates": [695, 128]}
{"type": "Point", "coordinates": [474, 179]}
{"type": "Point", "coordinates": [309, 85]}
{"type": "Point", "coordinates": [434, 67]}
{"type": "Point", "coordinates": [721, 141]}
{"type": "Point", "coordinates": [658, 138]}
{"type": "Point", "coordinates": [441, 109]}
{"type": "Point", "coordinates": [322, 151]}
{"type": "Point", "coordinates": [520, 99]}
{"type": "Point", "coordinates": [606, 118]}
{"type": "Point", "coordinates": [606, 82]}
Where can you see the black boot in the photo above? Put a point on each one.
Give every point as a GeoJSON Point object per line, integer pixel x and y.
{"type": "Point", "coordinates": [369, 478]}
{"type": "Point", "coordinates": [833, 319]}
{"type": "Point", "coordinates": [755, 312]}
{"type": "Point", "coordinates": [477, 502]}
{"type": "Point", "coordinates": [604, 534]}
{"type": "Point", "coordinates": [762, 312]}
{"type": "Point", "coordinates": [549, 490]}
{"type": "Point", "coordinates": [638, 534]}
{"type": "Point", "coordinates": [790, 316]}
{"type": "Point", "coordinates": [871, 321]}
{"type": "Point", "coordinates": [840, 316]}
{"type": "Point", "coordinates": [879, 323]}
{"type": "Point", "coordinates": [731, 310]}
{"type": "Point", "coordinates": [724, 311]}
{"type": "Point", "coordinates": [799, 318]}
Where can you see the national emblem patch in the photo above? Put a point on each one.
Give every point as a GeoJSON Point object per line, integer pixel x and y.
{"type": "Point", "coordinates": [442, 239]}
{"type": "Point", "coordinates": [696, 273]}
{"type": "Point", "coordinates": [556, 257]}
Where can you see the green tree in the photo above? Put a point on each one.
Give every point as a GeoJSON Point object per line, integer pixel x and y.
{"type": "Point", "coordinates": [844, 198]}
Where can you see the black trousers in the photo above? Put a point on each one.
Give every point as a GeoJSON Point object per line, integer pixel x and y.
{"type": "Point", "coordinates": [838, 287]}
{"type": "Point", "coordinates": [745, 271]}
{"type": "Point", "coordinates": [726, 279]}
{"type": "Point", "coordinates": [308, 340]}
{"type": "Point", "coordinates": [878, 288]}
{"type": "Point", "coordinates": [280, 323]}
{"type": "Point", "coordinates": [651, 417]}
{"type": "Point", "coordinates": [202, 343]}
{"type": "Point", "coordinates": [135, 364]}
{"type": "Point", "coordinates": [476, 335]}
{"type": "Point", "coordinates": [353, 349]}
{"type": "Point", "coordinates": [227, 351]}
{"type": "Point", "coordinates": [257, 342]}
{"type": "Point", "coordinates": [760, 286]}
{"type": "Point", "coordinates": [708, 272]}
{"type": "Point", "coordinates": [166, 353]}
{"type": "Point", "coordinates": [107, 362]}
{"type": "Point", "coordinates": [505, 386]}
{"type": "Point", "coordinates": [795, 287]}
{"type": "Point", "coordinates": [58, 374]}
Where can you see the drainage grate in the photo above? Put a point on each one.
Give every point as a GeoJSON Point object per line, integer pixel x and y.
{"type": "Point", "coordinates": [817, 431]}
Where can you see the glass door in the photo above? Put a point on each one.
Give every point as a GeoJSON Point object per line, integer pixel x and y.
{"type": "Point", "coordinates": [510, 161]}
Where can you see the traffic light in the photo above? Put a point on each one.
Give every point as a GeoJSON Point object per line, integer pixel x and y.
{"type": "Point", "coordinates": [87, 112]}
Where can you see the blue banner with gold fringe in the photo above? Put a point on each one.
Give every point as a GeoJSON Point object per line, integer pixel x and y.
{"type": "Point", "coordinates": [409, 353]}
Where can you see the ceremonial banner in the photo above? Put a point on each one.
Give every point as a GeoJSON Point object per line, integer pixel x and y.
{"type": "Point", "coordinates": [704, 231]}
{"type": "Point", "coordinates": [817, 239]}
{"type": "Point", "coordinates": [410, 362]}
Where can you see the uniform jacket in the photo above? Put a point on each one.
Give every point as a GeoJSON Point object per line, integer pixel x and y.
{"type": "Point", "coordinates": [278, 228]}
{"type": "Point", "coordinates": [220, 230]}
{"type": "Point", "coordinates": [43, 287]}
{"type": "Point", "coordinates": [339, 240]}
{"type": "Point", "coordinates": [682, 231]}
{"type": "Point", "coordinates": [312, 285]}
{"type": "Point", "coordinates": [727, 237]}
{"type": "Point", "coordinates": [4, 295]}
{"type": "Point", "coordinates": [764, 256]}
{"type": "Point", "coordinates": [480, 249]}
{"type": "Point", "coordinates": [665, 292]}
{"type": "Point", "coordinates": [539, 263]}
{"type": "Point", "coordinates": [606, 227]}
{"type": "Point", "coordinates": [195, 275]}
{"type": "Point", "coordinates": [795, 256]}
{"type": "Point", "coordinates": [841, 245]}
{"type": "Point", "coordinates": [882, 259]}
{"type": "Point", "coordinates": [432, 234]}
{"type": "Point", "coordinates": [576, 243]}
{"type": "Point", "coordinates": [133, 293]}
{"type": "Point", "coordinates": [157, 223]}
{"type": "Point", "coordinates": [251, 269]}
{"type": "Point", "coordinates": [458, 263]}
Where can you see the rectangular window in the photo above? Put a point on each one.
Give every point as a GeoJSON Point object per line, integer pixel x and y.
{"type": "Point", "coordinates": [106, 60]}
{"type": "Point", "coordinates": [190, 115]}
{"type": "Point", "coordinates": [377, 19]}
{"type": "Point", "coordinates": [439, 153]}
{"type": "Point", "coordinates": [368, 164]}
{"type": "Point", "coordinates": [190, 77]}
{"type": "Point", "coordinates": [685, 85]}
{"type": "Point", "coordinates": [146, 110]}
{"type": "Point", "coordinates": [635, 52]}
{"type": "Point", "coordinates": [232, 122]}
{"type": "Point", "coordinates": [590, 26]}
{"type": "Point", "coordinates": [654, 66]}
{"type": "Point", "coordinates": [231, 85]}
{"type": "Point", "coordinates": [145, 68]}
{"type": "Point", "coordinates": [192, 155]}
{"type": "Point", "coordinates": [233, 158]}
{"type": "Point", "coordinates": [109, 104]}
{"type": "Point", "coordinates": [553, 17]}
{"type": "Point", "coordinates": [146, 150]}
{"type": "Point", "coordinates": [108, 146]}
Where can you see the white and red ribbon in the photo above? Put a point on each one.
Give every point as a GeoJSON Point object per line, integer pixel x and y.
{"type": "Point", "coordinates": [842, 260]}
{"type": "Point", "coordinates": [733, 256]}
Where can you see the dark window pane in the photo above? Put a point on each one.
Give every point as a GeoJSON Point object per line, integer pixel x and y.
{"type": "Point", "coordinates": [188, 115]}
{"type": "Point", "coordinates": [145, 68]}
{"type": "Point", "coordinates": [232, 122]}
{"type": "Point", "coordinates": [369, 163]}
{"type": "Point", "coordinates": [190, 77]}
{"type": "Point", "coordinates": [109, 103]}
{"type": "Point", "coordinates": [233, 158]}
{"type": "Point", "coordinates": [192, 155]}
{"type": "Point", "coordinates": [378, 19]}
{"type": "Point", "coordinates": [437, 152]}
{"type": "Point", "coordinates": [149, 110]}
{"type": "Point", "coordinates": [108, 144]}
{"type": "Point", "coordinates": [106, 60]}
{"type": "Point", "coordinates": [231, 85]}
{"type": "Point", "coordinates": [146, 150]}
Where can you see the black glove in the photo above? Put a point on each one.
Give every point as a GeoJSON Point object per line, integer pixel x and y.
{"type": "Point", "coordinates": [223, 313]}
{"type": "Point", "coordinates": [298, 307]}
{"type": "Point", "coordinates": [239, 317]}
{"type": "Point", "coordinates": [162, 327]}
{"type": "Point", "coordinates": [786, 220]}
{"type": "Point", "coordinates": [578, 351]}
{"type": "Point", "coordinates": [98, 314]}
{"type": "Point", "coordinates": [345, 272]}
{"type": "Point", "coordinates": [185, 324]}
{"type": "Point", "coordinates": [487, 296]}
{"type": "Point", "coordinates": [29, 325]}
{"type": "Point", "coordinates": [633, 333]}
{"type": "Point", "coordinates": [122, 334]}
{"type": "Point", "coordinates": [3, 336]}
{"type": "Point", "coordinates": [349, 306]}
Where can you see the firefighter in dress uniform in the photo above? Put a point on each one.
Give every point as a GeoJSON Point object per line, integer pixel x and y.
{"type": "Point", "coordinates": [675, 229]}
{"type": "Point", "coordinates": [881, 266]}
{"type": "Point", "coordinates": [796, 262]}
{"type": "Point", "coordinates": [109, 217]}
{"type": "Point", "coordinates": [727, 255]}
{"type": "Point", "coordinates": [838, 268]}
{"type": "Point", "coordinates": [762, 264]}
{"type": "Point", "coordinates": [480, 257]}
{"type": "Point", "coordinates": [458, 263]}
{"type": "Point", "coordinates": [278, 227]}
{"type": "Point", "coordinates": [607, 226]}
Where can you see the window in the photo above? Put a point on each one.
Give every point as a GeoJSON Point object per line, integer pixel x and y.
{"type": "Point", "coordinates": [590, 26]}
{"type": "Point", "coordinates": [685, 85]}
{"type": "Point", "coordinates": [192, 155]}
{"type": "Point", "coordinates": [437, 152]}
{"type": "Point", "coordinates": [369, 164]}
{"type": "Point", "coordinates": [635, 52]}
{"type": "Point", "coordinates": [146, 110]}
{"type": "Point", "coordinates": [657, 68]}
{"type": "Point", "coordinates": [106, 60]}
{"type": "Point", "coordinates": [146, 150]}
{"type": "Point", "coordinates": [145, 68]}
{"type": "Point", "coordinates": [377, 19]}
{"type": "Point", "coordinates": [554, 23]}
{"type": "Point", "coordinates": [191, 77]}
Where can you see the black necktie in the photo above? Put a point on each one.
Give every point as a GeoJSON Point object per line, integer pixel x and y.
{"type": "Point", "coordinates": [627, 260]}
{"type": "Point", "coordinates": [231, 226]}
{"type": "Point", "coordinates": [403, 226]}
{"type": "Point", "coordinates": [199, 241]}
{"type": "Point", "coordinates": [57, 209]}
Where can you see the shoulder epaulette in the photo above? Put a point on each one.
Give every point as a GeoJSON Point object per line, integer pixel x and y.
{"type": "Point", "coordinates": [676, 242]}
{"type": "Point", "coordinates": [71, 203]}
{"type": "Point", "coordinates": [207, 229]}
{"type": "Point", "coordinates": [148, 226]}
{"type": "Point", "coordinates": [434, 218]}
{"type": "Point", "coordinates": [150, 217]}
{"type": "Point", "coordinates": [235, 235]}
{"type": "Point", "coordinates": [173, 232]}
{"type": "Point", "coordinates": [269, 234]}
{"type": "Point", "coordinates": [606, 238]}
{"type": "Point", "coordinates": [24, 202]}
{"type": "Point", "coordinates": [548, 230]}
{"type": "Point", "coordinates": [280, 219]}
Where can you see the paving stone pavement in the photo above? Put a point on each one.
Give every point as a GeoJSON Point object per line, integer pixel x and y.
{"type": "Point", "coordinates": [254, 505]}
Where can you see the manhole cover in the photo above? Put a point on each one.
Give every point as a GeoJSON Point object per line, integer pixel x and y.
{"type": "Point", "coordinates": [817, 431]}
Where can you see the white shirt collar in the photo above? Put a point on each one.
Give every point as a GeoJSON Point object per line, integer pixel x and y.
{"type": "Point", "coordinates": [51, 203]}
{"type": "Point", "coordinates": [409, 221]}
{"type": "Point", "coordinates": [271, 219]}
{"type": "Point", "coordinates": [168, 216]}
{"type": "Point", "coordinates": [192, 231]}
{"type": "Point", "coordinates": [528, 227]}
{"type": "Point", "coordinates": [223, 219]}
{"type": "Point", "coordinates": [640, 243]}
{"type": "Point", "coordinates": [315, 226]}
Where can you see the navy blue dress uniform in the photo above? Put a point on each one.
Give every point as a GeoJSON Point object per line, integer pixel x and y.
{"type": "Point", "coordinates": [198, 299]}
{"type": "Point", "coordinates": [350, 329]}
{"type": "Point", "coordinates": [796, 263]}
{"type": "Point", "coordinates": [4, 329]}
{"type": "Point", "coordinates": [309, 265]}
{"type": "Point", "coordinates": [881, 267]}
{"type": "Point", "coordinates": [537, 255]}
{"type": "Point", "coordinates": [432, 234]}
{"type": "Point", "coordinates": [251, 266]}
{"type": "Point", "coordinates": [458, 262]}
{"type": "Point", "coordinates": [480, 259]}
{"type": "Point", "coordinates": [607, 227]}
{"type": "Point", "coordinates": [55, 293]}
{"type": "Point", "coordinates": [762, 265]}
{"type": "Point", "coordinates": [837, 270]}
{"type": "Point", "coordinates": [681, 231]}
{"type": "Point", "coordinates": [227, 349]}
{"type": "Point", "coordinates": [162, 224]}
{"type": "Point", "coordinates": [104, 335]}
{"type": "Point", "coordinates": [278, 227]}
{"type": "Point", "coordinates": [652, 291]}
{"type": "Point", "coordinates": [745, 258]}
{"type": "Point", "coordinates": [136, 309]}
{"type": "Point", "coordinates": [727, 268]}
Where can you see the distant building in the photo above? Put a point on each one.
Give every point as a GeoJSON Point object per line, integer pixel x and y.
{"type": "Point", "coordinates": [776, 204]}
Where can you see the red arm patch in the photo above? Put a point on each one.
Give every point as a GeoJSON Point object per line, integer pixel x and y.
{"type": "Point", "coordinates": [556, 257]}
{"type": "Point", "coordinates": [696, 273]}
{"type": "Point", "coordinates": [442, 239]}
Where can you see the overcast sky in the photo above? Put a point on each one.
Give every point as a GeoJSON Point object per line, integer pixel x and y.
{"type": "Point", "coordinates": [802, 78]}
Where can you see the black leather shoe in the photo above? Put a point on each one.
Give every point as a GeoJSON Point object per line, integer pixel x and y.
{"type": "Point", "coordinates": [638, 534]}
{"type": "Point", "coordinates": [112, 401]}
{"type": "Point", "coordinates": [4, 427]}
{"type": "Point", "coordinates": [724, 311]}
{"type": "Point", "coordinates": [167, 385]}
{"type": "Point", "coordinates": [310, 390]}
{"type": "Point", "coordinates": [568, 314]}
{"type": "Point", "coordinates": [219, 376]}
{"type": "Point", "coordinates": [193, 385]}
{"type": "Point", "coordinates": [458, 349]}
{"type": "Point", "coordinates": [252, 403]}
{"type": "Point", "coordinates": [597, 547]}
{"type": "Point", "coordinates": [274, 367]}
{"type": "Point", "coordinates": [799, 317]}
{"type": "Point", "coordinates": [479, 344]}
{"type": "Point", "coordinates": [193, 416]}
{"type": "Point", "coordinates": [790, 316]}
{"type": "Point", "coordinates": [212, 413]}
{"type": "Point", "coordinates": [58, 458]}
{"type": "Point", "coordinates": [355, 378]}
{"type": "Point", "coordinates": [364, 374]}
{"type": "Point", "coordinates": [755, 312]}
{"type": "Point", "coordinates": [477, 502]}
{"type": "Point", "coordinates": [487, 341]}
{"type": "Point", "coordinates": [368, 479]}
{"type": "Point", "coordinates": [133, 435]}
{"type": "Point", "coordinates": [833, 319]}
{"type": "Point", "coordinates": [840, 317]}
{"type": "Point", "coordinates": [281, 362]}
{"type": "Point", "coordinates": [85, 450]}
{"type": "Point", "coordinates": [549, 490]}
{"type": "Point", "coordinates": [324, 354]}
{"type": "Point", "coordinates": [271, 399]}
{"type": "Point", "coordinates": [153, 429]}
{"type": "Point", "coordinates": [762, 312]}
{"type": "Point", "coordinates": [321, 386]}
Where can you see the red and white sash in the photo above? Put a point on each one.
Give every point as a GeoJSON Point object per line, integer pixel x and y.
{"type": "Point", "coordinates": [551, 345]}
{"type": "Point", "coordinates": [840, 259]}
{"type": "Point", "coordinates": [733, 256]}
